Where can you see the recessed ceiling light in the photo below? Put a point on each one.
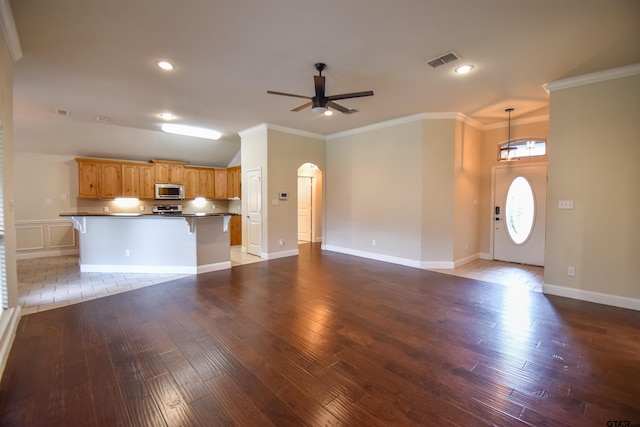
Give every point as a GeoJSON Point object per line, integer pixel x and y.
{"type": "Point", "coordinates": [167, 116]}
{"type": "Point", "coordinates": [191, 131]}
{"type": "Point", "coordinates": [165, 65]}
{"type": "Point", "coordinates": [463, 69]}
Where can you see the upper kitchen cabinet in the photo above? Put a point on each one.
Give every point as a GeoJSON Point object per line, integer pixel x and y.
{"type": "Point", "coordinates": [220, 178]}
{"type": "Point", "coordinates": [110, 180]}
{"type": "Point", "coordinates": [130, 180]}
{"type": "Point", "coordinates": [191, 183]}
{"type": "Point", "coordinates": [234, 185]}
{"type": "Point", "coordinates": [169, 172]}
{"type": "Point", "coordinates": [88, 178]}
{"type": "Point", "coordinates": [206, 183]}
{"type": "Point", "coordinates": [147, 181]}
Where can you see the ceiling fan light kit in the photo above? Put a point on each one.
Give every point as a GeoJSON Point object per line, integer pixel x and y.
{"type": "Point", "coordinates": [320, 103]}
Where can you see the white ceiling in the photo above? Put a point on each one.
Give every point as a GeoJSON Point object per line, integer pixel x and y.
{"type": "Point", "coordinates": [96, 57]}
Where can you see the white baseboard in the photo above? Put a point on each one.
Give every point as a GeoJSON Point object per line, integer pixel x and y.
{"type": "Point", "coordinates": [466, 260]}
{"type": "Point", "coordinates": [281, 254]}
{"type": "Point", "coordinates": [225, 265]}
{"type": "Point", "coordinates": [485, 255]}
{"type": "Point", "coordinates": [375, 256]}
{"type": "Point", "coordinates": [145, 269]}
{"type": "Point", "coordinates": [46, 254]}
{"type": "Point", "coordinates": [590, 296]}
{"type": "Point", "coordinates": [437, 265]}
{"type": "Point", "coordinates": [9, 319]}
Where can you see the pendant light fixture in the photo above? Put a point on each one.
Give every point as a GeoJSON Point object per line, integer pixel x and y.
{"type": "Point", "coordinates": [507, 151]}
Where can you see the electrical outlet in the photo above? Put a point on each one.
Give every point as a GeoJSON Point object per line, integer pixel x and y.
{"type": "Point", "coordinates": [571, 271]}
{"type": "Point", "coordinates": [127, 252]}
{"type": "Point", "coordinates": [141, 208]}
{"type": "Point", "coordinates": [373, 242]}
{"type": "Point", "coordinates": [105, 209]}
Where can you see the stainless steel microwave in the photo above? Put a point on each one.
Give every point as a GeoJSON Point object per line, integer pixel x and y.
{"type": "Point", "coordinates": [169, 191]}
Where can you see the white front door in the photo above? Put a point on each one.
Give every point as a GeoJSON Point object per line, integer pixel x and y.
{"type": "Point", "coordinates": [254, 212]}
{"type": "Point", "coordinates": [304, 208]}
{"type": "Point", "coordinates": [520, 204]}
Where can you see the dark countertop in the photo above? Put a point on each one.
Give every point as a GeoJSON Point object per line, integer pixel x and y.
{"type": "Point", "coordinates": [146, 215]}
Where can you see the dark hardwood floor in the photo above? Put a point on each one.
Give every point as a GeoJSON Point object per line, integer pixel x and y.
{"type": "Point", "coordinates": [324, 339]}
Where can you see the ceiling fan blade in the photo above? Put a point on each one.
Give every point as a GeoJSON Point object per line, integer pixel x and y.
{"type": "Point", "coordinates": [302, 107]}
{"type": "Point", "coordinates": [350, 95]}
{"type": "Point", "coordinates": [287, 94]}
{"type": "Point", "coordinates": [341, 108]}
{"type": "Point", "coordinates": [318, 82]}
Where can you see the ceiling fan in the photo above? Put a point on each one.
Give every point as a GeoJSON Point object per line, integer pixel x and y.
{"type": "Point", "coordinates": [321, 103]}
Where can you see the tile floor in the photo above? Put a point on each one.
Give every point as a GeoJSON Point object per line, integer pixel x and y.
{"type": "Point", "coordinates": [529, 277]}
{"type": "Point", "coordinates": [48, 283]}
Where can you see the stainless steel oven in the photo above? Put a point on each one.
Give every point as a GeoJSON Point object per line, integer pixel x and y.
{"type": "Point", "coordinates": [169, 191]}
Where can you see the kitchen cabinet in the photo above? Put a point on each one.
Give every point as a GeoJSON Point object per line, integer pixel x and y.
{"type": "Point", "coordinates": [147, 181]}
{"type": "Point", "coordinates": [110, 180]}
{"type": "Point", "coordinates": [130, 180]}
{"type": "Point", "coordinates": [233, 182]}
{"type": "Point", "coordinates": [176, 174]}
{"type": "Point", "coordinates": [88, 179]}
{"type": "Point", "coordinates": [191, 183]}
{"type": "Point", "coordinates": [169, 172]}
{"type": "Point", "coordinates": [220, 182]}
{"type": "Point", "coordinates": [235, 230]}
{"type": "Point", "coordinates": [206, 183]}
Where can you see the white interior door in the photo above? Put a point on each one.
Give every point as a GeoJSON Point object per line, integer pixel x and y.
{"type": "Point", "coordinates": [254, 212]}
{"type": "Point", "coordinates": [520, 196]}
{"type": "Point", "coordinates": [305, 191]}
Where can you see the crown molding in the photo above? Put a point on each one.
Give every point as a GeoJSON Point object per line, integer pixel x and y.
{"type": "Point", "coordinates": [404, 120]}
{"type": "Point", "coordinates": [295, 131]}
{"type": "Point", "coordinates": [268, 126]}
{"type": "Point", "coordinates": [254, 129]}
{"type": "Point", "coordinates": [9, 30]}
{"type": "Point", "coordinates": [517, 122]}
{"type": "Point", "coordinates": [614, 73]}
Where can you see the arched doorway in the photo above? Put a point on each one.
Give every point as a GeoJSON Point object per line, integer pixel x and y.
{"type": "Point", "coordinates": [309, 203]}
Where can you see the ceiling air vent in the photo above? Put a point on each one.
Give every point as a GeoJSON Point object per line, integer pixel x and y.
{"type": "Point", "coordinates": [62, 112]}
{"type": "Point", "coordinates": [443, 59]}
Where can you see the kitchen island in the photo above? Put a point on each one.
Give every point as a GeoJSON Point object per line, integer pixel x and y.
{"type": "Point", "coordinates": [144, 243]}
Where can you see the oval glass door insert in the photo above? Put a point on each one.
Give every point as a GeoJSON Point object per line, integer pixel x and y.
{"type": "Point", "coordinates": [519, 210]}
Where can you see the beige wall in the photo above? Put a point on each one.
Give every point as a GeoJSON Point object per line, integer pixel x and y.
{"type": "Point", "coordinates": [286, 153]}
{"type": "Point", "coordinates": [278, 153]}
{"type": "Point", "coordinates": [373, 186]}
{"type": "Point", "coordinates": [412, 186]}
{"type": "Point", "coordinates": [6, 120]}
{"type": "Point", "coordinates": [467, 168]}
{"type": "Point", "coordinates": [438, 175]}
{"type": "Point", "coordinates": [48, 186]}
{"type": "Point", "coordinates": [594, 161]}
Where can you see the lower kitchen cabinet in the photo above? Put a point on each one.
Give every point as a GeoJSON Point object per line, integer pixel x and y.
{"type": "Point", "coordinates": [235, 230]}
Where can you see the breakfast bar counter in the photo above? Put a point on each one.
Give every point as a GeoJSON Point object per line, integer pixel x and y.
{"type": "Point", "coordinates": [143, 243]}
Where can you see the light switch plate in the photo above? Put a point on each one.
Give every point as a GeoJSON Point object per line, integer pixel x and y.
{"type": "Point", "coordinates": [565, 204]}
